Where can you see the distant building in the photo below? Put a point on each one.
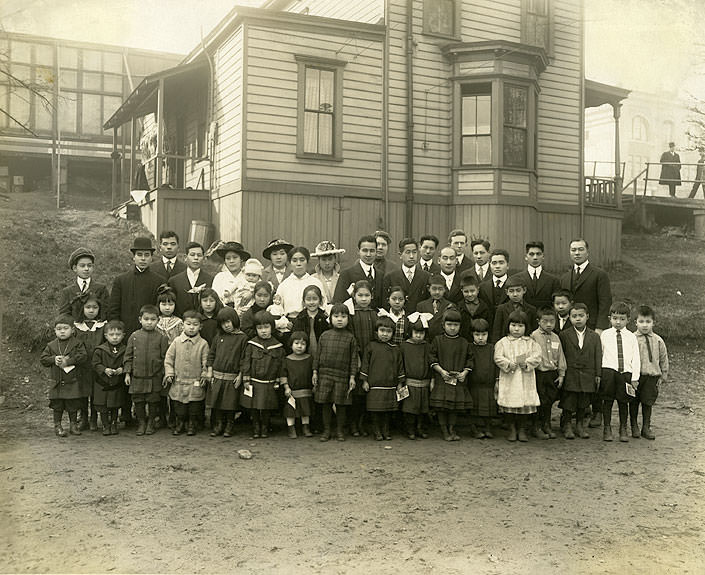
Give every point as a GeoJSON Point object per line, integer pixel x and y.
{"type": "Point", "coordinates": [648, 123]}
{"type": "Point", "coordinates": [326, 119]}
{"type": "Point", "coordinates": [84, 83]}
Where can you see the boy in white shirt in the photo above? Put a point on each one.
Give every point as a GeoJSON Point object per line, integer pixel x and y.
{"type": "Point", "coordinates": [621, 368]}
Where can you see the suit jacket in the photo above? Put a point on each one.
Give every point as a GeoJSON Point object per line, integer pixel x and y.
{"type": "Point", "coordinates": [593, 289]}
{"type": "Point", "coordinates": [491, 295]}
{"type": "Point", "coordinates": [466, 264]}
{"type": "Point", "coordinates": [539, 294]}
{"type": "Point", "coordinates": [455, 293]}
{"type": "Point", "coordinates": [435, 324]}
{"type": "Point", "coordinates": [466, 318]}
{"type": "Point", "coordinates": [350, 276]}
{"type": "Point", "coordinates": [501, 320]}
{"type": "Point", "coordinates": [583, 365]}
{"type": "Point", "coordinates": [416, 291]}
{"type": "Point", "coordinates": [471, 271]}
{"type": "Point", "coordinates": [181, 286]}
{"type": "Point", "coordinates": [130, 292]}
{"type": "Point", "coordinates": [567, 325]}
{"type": "Point", "coordinates": [70, 305]}
{"type": "Point", "coordinates": [159, 269]}
{"type": "Point", "coordinates": [268, 275]}
{"type": "Point", "coordinates": [434, 268]}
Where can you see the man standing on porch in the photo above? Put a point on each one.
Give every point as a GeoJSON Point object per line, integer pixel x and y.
{"type": "Point", "coordinates": [362, 269]}
{"type": "Point", "coordinates": [589, 285]}
{"type": "Point", "coordinates": [670, 170]}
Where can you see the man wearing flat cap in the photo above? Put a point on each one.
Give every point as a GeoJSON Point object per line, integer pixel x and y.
{"type": "Point", "coordinates": [81, 262]}
{"type": "Point", "coordinates": [135, 288]}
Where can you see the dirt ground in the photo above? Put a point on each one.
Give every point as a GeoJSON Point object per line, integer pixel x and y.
{"type": "Point", "coordinates": [162, 504]}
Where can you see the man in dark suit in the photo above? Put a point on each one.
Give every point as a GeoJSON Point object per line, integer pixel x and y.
{"type": "Point", "coordinates": [670, 169]}
{"type": "Point", "coordinates": [458, 240]}
{"type": "Point", "coordinates": [428, 244]}
{"type": "Point", "coordinates": [362, 269]}
{"type": "Point", "coordinates": [589, 285]}
{"type": "Point", "coordinates": [168, 263]}
{"type": "Point", "coordinates": [450, 274]}
{"type": "Point", "coordinates": [481, 257]}
{"type": "Point", "coordinates": [190, 282]}
{"type": "Point", "coordinates": [492, 290]}
{"type": "Point", "coordinates": [540, 285]}
{"type": "Point", "coordinates": [410, 277]}
{"type": "Point", "coordinates": [134, 288]}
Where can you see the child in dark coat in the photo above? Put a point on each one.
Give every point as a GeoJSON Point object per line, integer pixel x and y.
{"type": "Point", "coordinates": [482, 380]}
{"type": "Point", "coordinates": [297, 379]}
{"type": "Point", "coordinates": [436, 305]}
{"type": "Point", "coordinates": [81, 262]}
{"type": "Point", "coordinates": [451, 359]}
{"type": "Point", "coordinates": [224, 376]}
{"type": "Point", "coordinates": [472, 307]}
{"type": "Point", "coordinates": [89, 329]}
{"type": "Point", "coordinates": [65, 355]}
{"type": "Point", "coordinates": [261, 374]}
{"type": "Point", "coordinates": [416, 353]}
{"type": "Point", "coordinates": [382, 374]}
{"type": "Point", "coordinates": [107, 362]}
{"type": "Point", "coordinates": [144, 368]}
{"type": "Point", "coordinates": [208, 307]}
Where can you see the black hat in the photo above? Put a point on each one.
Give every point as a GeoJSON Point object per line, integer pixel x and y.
{"type": "Point", "coordinates": [79, 253]}
{"type": "Point", "coordinates": [142, 243]}
{"type": "Point", "coordinates": [236, 247]}
{"type": "Point", "coordinates": [276, 244]}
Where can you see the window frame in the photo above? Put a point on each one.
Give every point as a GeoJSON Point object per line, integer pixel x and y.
{"type": "Point", "coordinates": [455, 34]}
{"type": "Point", "coordinates": [498, 83]}
{"type": "Point", "coordinates": [474, 90]}
{"type": "Point", "coordinates": [337, 67]}
{"type": "Point", "coordinates": [526, 17]}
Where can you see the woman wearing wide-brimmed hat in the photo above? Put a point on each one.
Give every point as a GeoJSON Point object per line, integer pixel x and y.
{"type": "Point", "coordinates": [234, 256]}
{"type": "Point", "coordinates": [327, 269]}
{"type": "Point", "coordinates": [279, 269]}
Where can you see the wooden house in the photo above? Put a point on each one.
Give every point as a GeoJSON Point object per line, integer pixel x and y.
{"type": "Point", "coordinates": [328, 119]}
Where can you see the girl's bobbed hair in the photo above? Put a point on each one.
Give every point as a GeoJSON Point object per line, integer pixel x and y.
{"type": "Point", "coordinates": [263, 318]}
{"type": "Point", "coordinates": [263, 285]}
{"type": "Point", "coordinates": [165, 293]}
{"type": "Point", "coordinates": [312, 288]}
{"type": "Point", "coordinates": [362, 284]}
{"type": "Point", "coordinates": [339, 308]}
{"type": "Point", "coordinates": [228, 314]}
{"type": "Point", "coordinates": [518, 316]}
{"type": "Point", "coordinates": [451, 315]}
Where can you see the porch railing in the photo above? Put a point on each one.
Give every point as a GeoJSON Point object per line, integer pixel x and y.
{"type": "Point", "coordinates": [602, 192]}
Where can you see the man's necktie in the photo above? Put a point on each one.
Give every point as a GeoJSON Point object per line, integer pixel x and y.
{"type": "Point", "coordinates": [410, 276]}
{"type": "Point", "coordinates": [84, 285]}
{"type": "Point", "coordinates": [620, 352]}
{"type": "Point", "coordinates": [648, 348]}
{"type": "Point", "coordinates": [435, 306]}
{"type": "Point", "coordinates": [370, 277]}
{"type": "Point", "coordinates": [169, 266]}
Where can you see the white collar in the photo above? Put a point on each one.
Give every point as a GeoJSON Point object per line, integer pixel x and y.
{"type": "Point", "coordinates": [367, 268]}
{"type": "Point", "coordinates": [80, 281]}
{"type": "Point", "coordinates": [193, 275]}
{"type": "Point", "coordinates": [167, 260]}
{"type": "Point", "coordinates": [407, 270]}
{"type": "Point", "coordinates": [501, 279]}
{"type": "Point", "coordinates": [581, 267]}
{"type": "Point", "coordinates": [535, 270]}
{"type": "Point", "coordinates": [449, 276]}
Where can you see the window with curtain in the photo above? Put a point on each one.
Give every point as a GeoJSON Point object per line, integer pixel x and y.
{"type": "Point", "coordinates": [476, 125]}
{"type": "Point", "coordinates": [319, 111]}
{"type": "Point", "coordinates": [536, 23]}
{"type": "Point", "coordinates": [516, 99]}
{"type": "Point", "coordinates": [439, 17]}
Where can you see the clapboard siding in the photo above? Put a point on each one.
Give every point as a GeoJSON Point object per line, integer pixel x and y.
{"type": "Point", "coordinates": [515, 184]}
{"type": "Point", "coordinates": [491, 20]}
{"type": "Point", "coordinates": [475, 182]}
{"type": "Point", "coordinates": [272, 98]}
{"type": "Point", "coordinates": [228, 112]}
{"type": "Point", "coordinates": [560, 137]}
{"type": "Point", "coordinates": [228, 217]}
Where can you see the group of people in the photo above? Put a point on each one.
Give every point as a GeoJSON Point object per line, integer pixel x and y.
{"type": "Point", "coordinates": [429, 335]}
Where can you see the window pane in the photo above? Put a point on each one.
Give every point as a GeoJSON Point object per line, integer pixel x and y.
{"type": "Point", "coordinates": [469, 114]}
{"type": "Point", "coordinates": [3, 104]}
{"type": "Point", "coordinates": [91, 115]}
{"type": "Point", "coordinates": [310, 133]}
{"type": "Point", "coordinates": [484, 149]}
{"type": "Point", "coordinates": [515, 101]}
{"type": "Point", "coordinates": [112, 62]}
{"type": "Point", "coordinates": [44, 55]}
{"type": "Point", "coordinates": [68, 57]}
{"type": "Point", "coordinates": [514, 147]}
{"type": "Point", "coordinates": [67, 112]}
{"type": "Point", "coordinates": [477, 150]}
{"type": "Point", "coordinates": [469, 151]}
{"type": "Point", "coordinates": [92, 81]}
{"type": "Point", "coordinates": [484, 113]}
{"type": "Point", "coordinates": [325, 134]}
{"type": "Point", "coordinates": [92, 60]}
{"type": "Point", "coordinates": [68, 79]}
{"type": "Point", "coordinates": [312, 87]}
{"type": "Point", "coordinates": [44, 78]}
{"type": "Point", "coordinates": [440, 16]}
{"type": "Point", "coordinates": [326, 91]}
{"type": "Point", "coordinates": [21, 52]}
{"type": "Point", "coordinates": [42, 116]}
{"type": "Point", "coordinates": [19, 106]}
{"type": "Point", "coordinates": [110, 106]}
{"type": "Point", "coordinates": [21, 72]}
{"type": "Point", "coordinates": [112, 83]}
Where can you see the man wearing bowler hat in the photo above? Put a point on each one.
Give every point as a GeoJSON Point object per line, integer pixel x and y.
{"type": "Point", "coordinates": [134, 288]}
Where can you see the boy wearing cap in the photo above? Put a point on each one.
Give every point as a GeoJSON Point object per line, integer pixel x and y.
{"type": "Point", "coordinates": [190, 282]}
{"type": "Point", "coordinates": [82, 261]}
{"type": "Point", "coordinates": [327, 270]}
{"type": "Point", "coordinates": [279, 269]}
{"type": "Point", "coordinates": [134, 288]}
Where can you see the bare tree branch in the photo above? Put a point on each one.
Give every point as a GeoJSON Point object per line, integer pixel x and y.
{"type": "Point", "coordinates": [22, 125]}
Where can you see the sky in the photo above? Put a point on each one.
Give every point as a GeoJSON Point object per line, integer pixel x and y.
{"type": "Point", "coordinates": [648, 45]}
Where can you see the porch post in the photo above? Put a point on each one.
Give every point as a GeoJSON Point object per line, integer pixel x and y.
{"type": "Point", "coordinates": [132, 153]}
{"type": "Point", "coordinates": [617, 110]}
{"type": "Point", "coordinates": [116, 159]}
{"type": "Point", "coordinates": [160, 131]}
